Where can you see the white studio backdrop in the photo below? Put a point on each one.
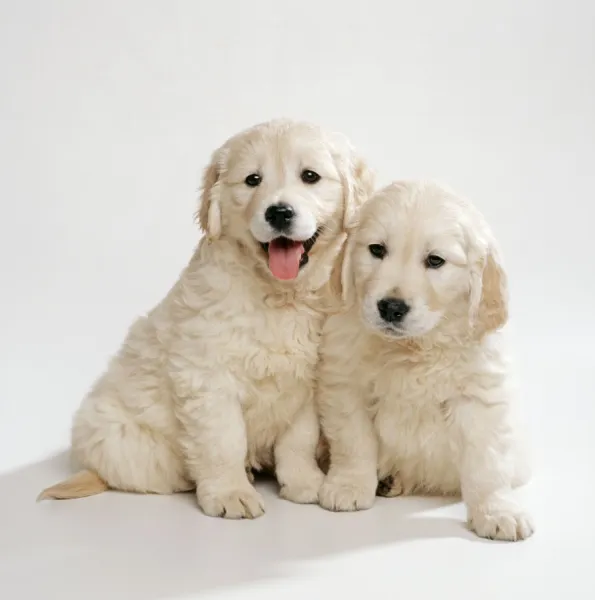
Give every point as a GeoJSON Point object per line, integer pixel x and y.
{"type": "Point", "coordinates": [109, 111]}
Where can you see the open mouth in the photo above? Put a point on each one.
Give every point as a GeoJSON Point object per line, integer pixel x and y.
{"type": "Point", "coordinates": [287, 256]}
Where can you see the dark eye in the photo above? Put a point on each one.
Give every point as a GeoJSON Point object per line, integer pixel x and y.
{"type": "Point", "coordinates": [308, 176]}
{"type": "Point", "coordinates": [253, 180]}
{"type": "Point", "coordinates": [377, 250]}
{"type": "Point", "coordinates": [434, 261]}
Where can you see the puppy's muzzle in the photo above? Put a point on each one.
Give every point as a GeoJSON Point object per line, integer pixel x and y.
{"type": "Point", "coordinates": [280, 217]}
{"type": "Point", "coordinates": [393, 310]}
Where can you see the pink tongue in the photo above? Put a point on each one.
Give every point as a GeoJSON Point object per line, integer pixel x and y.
{"type": "Point", "coordinates": [284, 258]}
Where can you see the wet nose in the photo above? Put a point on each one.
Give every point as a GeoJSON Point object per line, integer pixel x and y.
{"type": "Point", "coordinates": [279, 216]}
{"type": "Point", "coordinates": [392, 310]}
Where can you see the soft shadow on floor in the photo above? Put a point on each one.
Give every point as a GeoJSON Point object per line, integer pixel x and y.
{"type": "Point", "coordinates": [125, 546]}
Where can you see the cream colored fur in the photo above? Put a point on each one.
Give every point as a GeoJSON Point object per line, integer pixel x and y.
{"type": "Point", "coordinates": [424, 405]}
{"type": "Point", "coordinates": [218, 378]}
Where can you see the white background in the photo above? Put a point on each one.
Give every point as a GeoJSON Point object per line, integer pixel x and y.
{"type": "Point", "coordinates": [108, 112]}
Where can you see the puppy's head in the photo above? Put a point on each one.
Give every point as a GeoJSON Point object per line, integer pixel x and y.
{"type": "Point", "coordinates": [423, 258]}
{"type": "Point", "coordinates": [284, 191]}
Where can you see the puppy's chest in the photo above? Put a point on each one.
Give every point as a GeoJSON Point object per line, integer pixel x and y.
{"type": "Point", "coordinates": [410, 409]}
{"type": "Point", "coordinates": [278, 376]}
{"type": "Point", "coordinates": [258, 337]}
{"type": "Point", "coordinates": [283, 345]}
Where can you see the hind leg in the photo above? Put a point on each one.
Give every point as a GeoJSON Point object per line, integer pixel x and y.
{"type": "Point", "coordinates": [127, 454]}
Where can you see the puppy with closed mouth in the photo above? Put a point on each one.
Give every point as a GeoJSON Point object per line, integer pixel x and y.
{"type": "Point", "coordinates": [218, 379]}
{"type": "Point", "coordinates": [413, 388]}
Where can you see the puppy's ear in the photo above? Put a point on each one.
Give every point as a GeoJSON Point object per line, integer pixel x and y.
{"type": "Point", "coordinates": [209, 210]}
{"type": "Point", "coordinates": [489, 292]}
{"type": "Point", "coordinates": [359, 185]}
{"type": "Point", "coordinates": [341, 280]}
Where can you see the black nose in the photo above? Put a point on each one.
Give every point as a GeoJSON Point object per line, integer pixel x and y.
{"type": "Point", "coordinates": [393, 310]}
{"type": "Point", "coordinates": [279, 216]}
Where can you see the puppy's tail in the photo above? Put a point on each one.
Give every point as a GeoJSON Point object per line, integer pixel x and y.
{"type": "Point", "coordinates": [83, 484]}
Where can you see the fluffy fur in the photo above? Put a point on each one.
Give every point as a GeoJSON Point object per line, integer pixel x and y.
{"type": "Point", "coordinates": [422, 404]}
{"type": "Point", "coordinates": [217, 380]}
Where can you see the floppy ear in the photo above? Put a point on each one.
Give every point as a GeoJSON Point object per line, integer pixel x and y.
{"type": "Point", "coordinates": [359, 185]}
{"type": "Point", "coordinates": [209, 210]}
{"type": "Point", "coordinates": [341, 279]}
{"type": "Point", "coordinates": [489, 292]}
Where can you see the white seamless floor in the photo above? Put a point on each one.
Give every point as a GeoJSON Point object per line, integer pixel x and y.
{"type": "Point", "coordinates": [130, 547]}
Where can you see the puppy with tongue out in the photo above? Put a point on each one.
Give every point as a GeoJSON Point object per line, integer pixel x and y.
{"type": "Point", "coordinates": [217, 381]}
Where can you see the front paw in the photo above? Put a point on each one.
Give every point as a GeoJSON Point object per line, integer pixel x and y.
{"type": "Point", "coordinates": [500, 520]}
{"type": "Point", "coordinates": [304, 490]}
{"type": "Point", "coordinates": [241, 503]}
{"type": "Point", "coordinates": [343, 494]}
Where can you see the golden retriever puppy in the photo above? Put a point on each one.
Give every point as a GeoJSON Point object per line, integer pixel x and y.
{"type": "Point", "coordinates": [218, 378]}
{"type": "Point", "coordinates": [413, 386]}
